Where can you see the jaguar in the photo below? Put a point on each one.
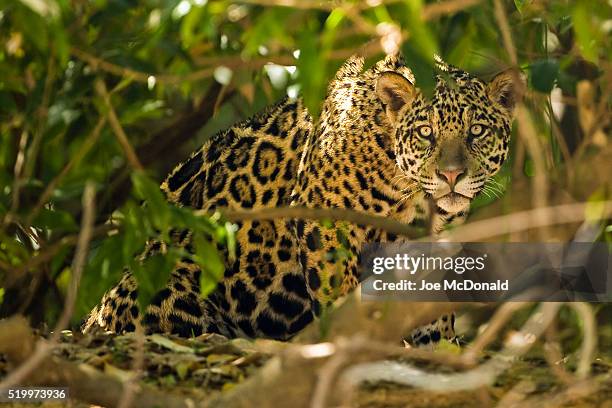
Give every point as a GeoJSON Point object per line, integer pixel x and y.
{"type": "Point", "coordinates": [380, 146]}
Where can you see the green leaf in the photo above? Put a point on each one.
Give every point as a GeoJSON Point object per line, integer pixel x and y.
{"type": "Point", "coordinates": [519, 4]}
{"type": "Point", "coordinates": [169, 344]}
{"type": "Point", "coordinates": [544, 73]}
{"type": "Point", "coordinates": [103, 269]}
{"type": "Point", "coordinates": [208, 258]}
{"type": "Point", "coordinates": [312, 69]}
{"type": "Point", "coordinates": [231, 239]}
{"type": "Point", "coordinates": [46, 8]}
{"type": "Point", "coordinates": [63, 280]}
{"type": "Point", "coordinates": [595, 209]}
{"type": "Point", "coordinates": [157, 205]}
{"type": "Point", "coordinates": [586, 30]}
{"type": "Point", "coordinates": [191, 26]}
{"type": "Point", "coordinates": [59, 260]}
{"type": "Point", "coordinates": [342, 238]}
{"type": "Point", "coordinates": [266, 29]}
{"type": "Point", "coordinates": [56, 220]}
{"type": "Point", "coordinates": [326, 223]}
{"type": "Point", "coordinates": [422, 69]}
{"type": "Point", "coordinates": [152, 275]}
{"type": "Point", "coordinates": [421, 36]}
{"type": "Point", "coordinates": [529, 168]}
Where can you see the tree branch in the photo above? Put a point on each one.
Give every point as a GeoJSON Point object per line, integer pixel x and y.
{"type": "Point", "coordinates": [122, 138]}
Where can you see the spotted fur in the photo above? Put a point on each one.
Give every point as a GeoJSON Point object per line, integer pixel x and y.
{"type": "Point", "coordinates": [369, 151]}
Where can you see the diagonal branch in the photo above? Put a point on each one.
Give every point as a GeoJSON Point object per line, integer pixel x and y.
{"type": "Point", "coordinates": [122, 138]}
{"type": "Point", "coordinates": [83, 150]}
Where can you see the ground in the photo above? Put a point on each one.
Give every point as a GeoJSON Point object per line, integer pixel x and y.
{"type": "Point", "coordinates": [209, 365]}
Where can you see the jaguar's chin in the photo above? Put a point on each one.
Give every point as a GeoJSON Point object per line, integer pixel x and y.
{"type": "Point", "coordinates": [453, 203]}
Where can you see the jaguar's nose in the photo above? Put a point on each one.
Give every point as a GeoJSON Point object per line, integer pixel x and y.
{"type": "Point", "coordinates": [451, 175]}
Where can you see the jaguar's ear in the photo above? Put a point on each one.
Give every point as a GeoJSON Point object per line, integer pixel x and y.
{"type": "Point", "coordinates": [395, 92]}
{"type": "Point", "coordinates": [506, 89]}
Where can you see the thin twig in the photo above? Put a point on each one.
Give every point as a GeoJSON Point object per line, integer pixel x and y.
{"type": "Point", "coordinates": [475, 231]}
{"type": "Point", "coordinates": [42, 113]}
{"type": "Point", "coordinates": [589, 338]}
{"type": "Point", "coordinates": [122, 138]}
{"type": "Point", "coordinates": [98, 63]}
{"type": "Point", "coordinates": [525, 123]}
{"type": "Point", "coordinates": [553, 356]}
{"type": "Point", "coordinates": [89, 142]}
{"type": "Point", "coordinates": [429, 11]}
{"type": "Point", "coordinates": [567, 156]}
{"type": "Point", "coordinates": [491, 332]}
{"type": "Point", "coordinates": [504, 26]}
{"type": "Point", "coordinates": [528, 134]}
{"type": "Point", "coordinates": [130, 387]}
{"type": "Point", "coordinates": [443, 8]}
{"type": "Point", "coordinates": [18, 170]}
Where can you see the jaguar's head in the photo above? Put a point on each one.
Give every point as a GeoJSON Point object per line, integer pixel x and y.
{"type": "Point", "coordinates": [449, 145]}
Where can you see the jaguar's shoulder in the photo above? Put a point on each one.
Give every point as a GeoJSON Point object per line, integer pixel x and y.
{"type": "Point", "coordinates": [258, 153]}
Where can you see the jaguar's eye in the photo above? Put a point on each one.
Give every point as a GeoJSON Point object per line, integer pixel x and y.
{"type": "Point", "coordinates": [425, 131]}
{"type": "Point", "coordinates": [477, 130]}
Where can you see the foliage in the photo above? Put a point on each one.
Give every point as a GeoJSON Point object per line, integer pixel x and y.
{"type": "Point", "coordinates": [159, 59]}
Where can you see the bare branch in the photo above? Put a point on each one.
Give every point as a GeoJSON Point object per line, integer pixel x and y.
{"type": "Point", "coordinates": [475, 231]}
{"type": "Point", "coordinates": [326, 377]}
{"type": "Point", "coordinates": [524, 220]}
{"type": "Point", "coordinates": [334, 214]}
{"type": "Point", "coordinates": [589, 341]}
{"type": "Point", "coordinates": [130, 388]}
{"type": "Point", "coordinates": [98, 63]}
{"type": "Point", "coordinates": [485, 374]}
{"type": "Point", "coordinates": [504, 26]}
{"type": "Point", "coordinates": [436, 10]}
{"type": "Point", "coordinates": [117, 129]}
{"type": "Point", "coordinates": [18, 170]}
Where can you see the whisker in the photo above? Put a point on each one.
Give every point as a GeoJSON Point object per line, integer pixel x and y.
{"type": "Point", "coordinates": [484, 191]}
{"type": "Point", "coordinates": [411, 185]}
{"type": "Point", "coordinates": [500, 190]}
{"type": "Point", "coordinates": [493, 191]}
{"type": "Point", "coordinates": [497, 183]}
{"type": "Point", "coordinates": [404, 198]}
{"type": "Point", "coordinates": [398, 179]}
